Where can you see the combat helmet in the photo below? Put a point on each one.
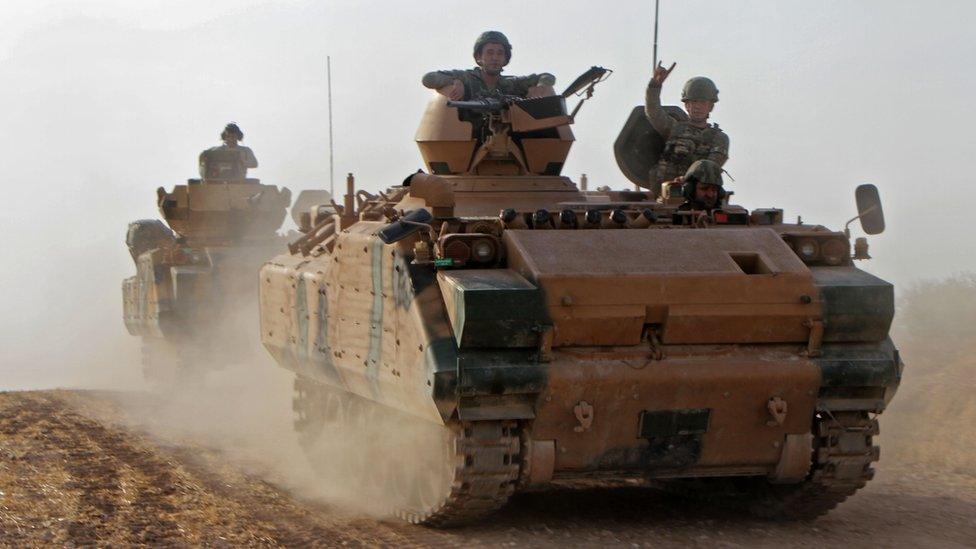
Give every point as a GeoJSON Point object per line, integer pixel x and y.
{"type": "Point", "coordinates": [702, 171]}
{"type": "Point", "coordinates": [493, 37]}
{"type": "Point", "coordinates": [700, 88]}
{"type": "Point", "coordinates": [232, 129]}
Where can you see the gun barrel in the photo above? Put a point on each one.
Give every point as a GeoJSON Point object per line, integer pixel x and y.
{"type": "Point", "coordinates": [488, 104]}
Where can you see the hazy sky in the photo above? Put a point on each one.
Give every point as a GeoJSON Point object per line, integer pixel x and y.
{"type": "Point", "coordinates": [103, 101]}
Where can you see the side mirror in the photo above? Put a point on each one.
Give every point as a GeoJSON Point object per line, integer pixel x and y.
{"type": "Point", "coordinates": [869, 209]}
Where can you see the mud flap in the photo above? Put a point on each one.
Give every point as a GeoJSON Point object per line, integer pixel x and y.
{"type": "Point", "coordinates": [795, 461]}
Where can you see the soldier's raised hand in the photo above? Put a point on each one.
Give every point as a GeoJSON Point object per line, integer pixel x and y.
{"type": "Point", "coordinates": [661, 73]}
{"type": "Point", "coordinates": [453, 91]}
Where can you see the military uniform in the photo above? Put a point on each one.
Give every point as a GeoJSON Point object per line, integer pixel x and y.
{"type": "Point", "coordinates": [685, 141]}
{"type": "Point", "coordinates": [222, 163]}
{"type": "Point", "coordinates": [476, 88]}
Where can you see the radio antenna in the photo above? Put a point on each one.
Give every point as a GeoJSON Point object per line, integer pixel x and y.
{"type": "Point", "coordinates": [656, 2]}
{"type": "Point", "coordinates": [328, 71]}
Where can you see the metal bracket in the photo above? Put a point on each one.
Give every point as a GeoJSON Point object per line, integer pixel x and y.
{"type": "Point", "coordinates": [584, 414]}
{"type": "Point", "coordinates": [816, 336]}
{"type": "Point", "coordinates": [546, 336]}
{"type": "Point", "coordinates": [654, 342]}
{"type": "Point", "coordinates": [777, 408]}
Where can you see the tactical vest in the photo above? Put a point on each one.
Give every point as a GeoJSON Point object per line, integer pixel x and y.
{"type": "Point", "coordinates": [685, 145]}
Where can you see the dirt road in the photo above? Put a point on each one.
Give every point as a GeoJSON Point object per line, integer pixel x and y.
{"type": "Point", "coordinates": [75, 470]}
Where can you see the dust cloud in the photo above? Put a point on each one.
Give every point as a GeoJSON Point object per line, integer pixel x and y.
{"type": "Point", "coordinates": [240, 406]}
{"type": "Point", "coordinates": [932, 420]}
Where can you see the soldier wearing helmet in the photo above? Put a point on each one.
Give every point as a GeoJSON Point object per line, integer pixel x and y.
{"type": "Point", "coordinates": [685, 140]}
{"type": "Point", "coordinates": [702, 186]}
{"type": "Point", "coordinates": [492, 51]}
{"type": "Point", "coordinates": [230, 160]}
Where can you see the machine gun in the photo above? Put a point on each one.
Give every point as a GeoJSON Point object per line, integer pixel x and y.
{"type": "Point", "coordinates": [492, 104]}
{"type": "Point", "coordinates": [497, 104]}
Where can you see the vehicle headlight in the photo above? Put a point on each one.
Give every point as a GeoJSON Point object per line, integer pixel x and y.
{"type": "Point", "coordinates": [808, 249]}
{"type": "Point", "coordinates": [834, 251]}
{"type": "Point", "coordinates": [483, 251]}
{"type": "Point", "coordinates": [476, 250]}
{"type": "Point", "coordinates": [458, 251]}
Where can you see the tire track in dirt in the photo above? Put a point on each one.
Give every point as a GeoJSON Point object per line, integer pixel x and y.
{"type": "Point", "coordinates": [75, 471]}
{"type": "Point", "coordinates": [119, 489]}
{"type": "Point", "coordinates": [289, 520]}
{"type": "Point", "coordinates": [98, 463]}
{"type": "Point", "coordinates": [291, 524]}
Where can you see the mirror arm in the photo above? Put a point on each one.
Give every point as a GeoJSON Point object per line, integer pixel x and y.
{"type": "Point", "coordinates": [847, 226]}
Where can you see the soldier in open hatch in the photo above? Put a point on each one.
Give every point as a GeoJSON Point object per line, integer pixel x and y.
{"type": "Point", "coordinates": [702, 186]}
{"type": "Point", "coordinates": [689, 140]}
{"type": "Point", "coordinates": [229, 161]}
{"type": "Point", "coordinates": [492, 51]}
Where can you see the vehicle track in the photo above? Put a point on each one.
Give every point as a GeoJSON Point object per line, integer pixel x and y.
{"type": "Point", "coordinates": [75, 471]}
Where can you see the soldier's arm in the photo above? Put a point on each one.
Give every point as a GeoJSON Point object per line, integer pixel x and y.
{"type": "Point", "coordinates": [248, 156]}
{"type": "Point", "coordinates": [436, 80]}
{"type": "Point", "coordinates": [545, 79]}
{"type": "Point", "coordinates": [201, 167]}
{"type": "Point", "coordinates": [523, 83]}
{"type": "Point", "coordinates": [720, 149]}
{"type": "Point", "coordinates": [659, 119]}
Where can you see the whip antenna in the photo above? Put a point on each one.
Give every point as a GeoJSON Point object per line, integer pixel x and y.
{"type": "Point", "coordinates": [656, 2]}
{"type": "Point", "coordinates": [328, 72]}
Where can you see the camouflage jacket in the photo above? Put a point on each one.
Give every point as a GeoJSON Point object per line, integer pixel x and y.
{"type": "Point", "coordinates": [685, 141]}
{"type": "Point", "coordinates": [476, 88]}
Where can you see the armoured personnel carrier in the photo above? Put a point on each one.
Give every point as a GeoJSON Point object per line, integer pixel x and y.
{"type": "Point", "coordinates": [194, 291]}
{"type": "Point", "coordinates": [486, 327]}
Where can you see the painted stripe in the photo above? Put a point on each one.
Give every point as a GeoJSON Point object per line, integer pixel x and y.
{"type": "Point", "coordinates": [301, 316]}
{"type": "Point", "coordinates": [375, 355]}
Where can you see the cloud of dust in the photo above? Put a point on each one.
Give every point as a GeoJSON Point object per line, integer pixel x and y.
{"type": "Point", "coordinates": [932, 420]}
{"type": "Point", "coordinates": [363, 461]}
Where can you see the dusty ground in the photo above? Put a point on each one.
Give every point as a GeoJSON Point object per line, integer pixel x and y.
{"type": "Point", "coordinates": [75, 469]}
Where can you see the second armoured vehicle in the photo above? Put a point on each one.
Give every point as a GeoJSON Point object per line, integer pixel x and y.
{"type": "Point", "coordinates": [486, 327]}
{"type": "Point", "coordinates": [194, 291]}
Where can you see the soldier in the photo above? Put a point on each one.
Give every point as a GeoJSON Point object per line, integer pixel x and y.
{"type": "Point", "coordinates": [702, 186]}
{"type": "Point", "coordinates": [492, 52]}
{"type": "Point", "coordinates": [685, 141]}
{"type": "Point", "coordinates": [217, 156]}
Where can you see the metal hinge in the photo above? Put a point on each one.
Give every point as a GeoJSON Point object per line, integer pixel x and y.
{"type": "Point", "coordinates": [546, 336]}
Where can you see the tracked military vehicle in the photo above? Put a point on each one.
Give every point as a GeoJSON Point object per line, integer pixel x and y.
{"type": "Point", "coordinates": [194, 291]}
{"type": "Point", "coordinates": [547, 335]}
